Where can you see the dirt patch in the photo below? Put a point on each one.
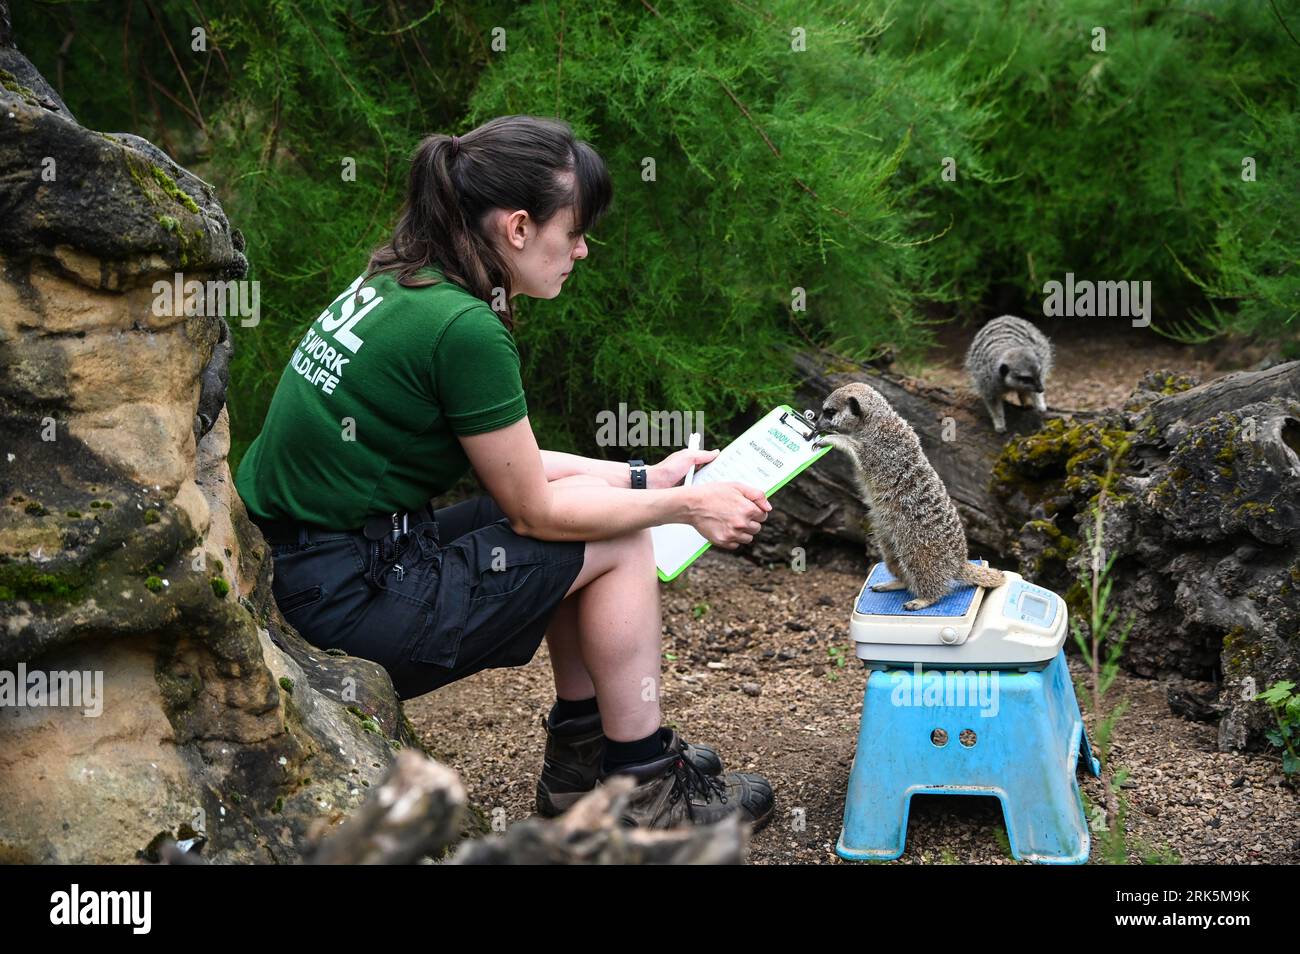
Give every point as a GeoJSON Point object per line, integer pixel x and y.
{"type": "Point", "coordinates": [758, 663]}
{"type": "Point", "coordinates": [1098, 361]}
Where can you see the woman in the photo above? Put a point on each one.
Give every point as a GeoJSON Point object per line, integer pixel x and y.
{"type": "Point", "coordinates": [410, 377]}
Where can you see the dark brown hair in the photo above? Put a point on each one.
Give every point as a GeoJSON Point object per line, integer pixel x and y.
{"type": "Point", "coordinates": [511, 162]}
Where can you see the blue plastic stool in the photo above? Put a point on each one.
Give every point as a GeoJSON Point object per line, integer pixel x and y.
{"type": "Point", "coordinates": [1027, 738]}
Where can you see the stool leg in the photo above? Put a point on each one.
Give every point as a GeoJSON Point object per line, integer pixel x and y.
{"type": "Point", "coordinates": [879, 791]}
{"type": "Point", "coordinates": [1043, 809]}
{"type": "Point", "coordinates": [1045, 818]}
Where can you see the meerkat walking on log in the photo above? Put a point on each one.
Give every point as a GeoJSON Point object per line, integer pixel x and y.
{"type": "Point", "coordinates": [1009, 354]}
{"type": "Point", "coordinates": [913, 520]}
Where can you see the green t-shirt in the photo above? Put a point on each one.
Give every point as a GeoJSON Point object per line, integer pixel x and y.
{"type": "Point", "coordinates": [365, 417]}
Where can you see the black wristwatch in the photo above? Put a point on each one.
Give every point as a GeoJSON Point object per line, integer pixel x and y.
{"type": "Point", "coordinates": [638, 474]}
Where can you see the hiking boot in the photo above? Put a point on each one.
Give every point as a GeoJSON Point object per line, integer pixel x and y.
{"type": "Point", "coordinates": [671, 791]}
{"type": "Point", "coordinates": [575, 749]}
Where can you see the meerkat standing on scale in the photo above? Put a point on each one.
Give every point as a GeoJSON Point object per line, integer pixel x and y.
{"type": "Point", "coordinates": [913, 520]}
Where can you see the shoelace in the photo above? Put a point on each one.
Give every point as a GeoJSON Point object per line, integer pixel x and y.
{"type": "Point", "coordinates": [689, 779]}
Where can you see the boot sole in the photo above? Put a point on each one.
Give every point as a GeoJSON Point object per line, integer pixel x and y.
{"type": "Point", "coordinates": [554, 804]}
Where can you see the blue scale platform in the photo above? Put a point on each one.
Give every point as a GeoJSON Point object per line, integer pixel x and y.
{"type": "Point", "coordinates": [890, 603]}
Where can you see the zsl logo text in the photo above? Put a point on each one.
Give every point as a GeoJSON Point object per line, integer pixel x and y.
{"type": "Point", "coordinates": [341, 326]}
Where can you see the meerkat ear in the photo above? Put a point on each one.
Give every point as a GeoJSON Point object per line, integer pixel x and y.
{"type": "Point", "coordinates": [854, 407]}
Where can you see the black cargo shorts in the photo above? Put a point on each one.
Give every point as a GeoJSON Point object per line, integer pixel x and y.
{"type": "Point", "coordinates": [464, 593]}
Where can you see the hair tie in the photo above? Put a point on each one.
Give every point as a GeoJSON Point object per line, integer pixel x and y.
{"type": "Point", "coordinates": [455, 145]}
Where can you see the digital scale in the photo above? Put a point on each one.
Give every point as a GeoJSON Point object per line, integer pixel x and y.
{"type": "Point", "coordinates": [1014, 626]}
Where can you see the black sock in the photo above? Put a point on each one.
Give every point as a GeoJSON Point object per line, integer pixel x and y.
{"type": "Point", "coordinates": [619, 754]}
{"type": "Point", "coordinates": [572, 708]}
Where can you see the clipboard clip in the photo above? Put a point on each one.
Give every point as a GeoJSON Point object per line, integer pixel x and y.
{"type": "Point", "coordinates": [802, 424]}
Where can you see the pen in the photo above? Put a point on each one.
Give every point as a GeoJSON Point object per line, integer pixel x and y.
{"type": "Point", "coordinates": [694, 443]}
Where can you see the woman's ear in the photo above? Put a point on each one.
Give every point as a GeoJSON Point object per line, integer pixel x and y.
{"type": "Point", "coordinates": [511, 227]}
{"type": "Point", "coordinates": [519, 228]}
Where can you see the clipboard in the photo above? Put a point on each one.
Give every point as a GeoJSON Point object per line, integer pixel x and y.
{"type": "Point", "coordinates": [771, 453]}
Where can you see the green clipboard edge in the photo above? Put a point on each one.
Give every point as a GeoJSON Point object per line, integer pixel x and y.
{"type": "Point", "coordinates": [785, 480]}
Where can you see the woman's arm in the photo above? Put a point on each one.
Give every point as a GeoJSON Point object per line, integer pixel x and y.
{"type": "Point", "coordinates": [669, 472]}
{"type": "Point", "coordinates": [509, 465]}
{"type": "Point", "coordinates": [558, 464]}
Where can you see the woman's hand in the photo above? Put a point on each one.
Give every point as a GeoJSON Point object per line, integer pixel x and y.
{"type": "Point", "coordinates": [671, 471]}
{"type": "Point", "coordinates": [728, 513]}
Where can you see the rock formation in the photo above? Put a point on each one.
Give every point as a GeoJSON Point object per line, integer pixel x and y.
{"type": "Point", "coordinates": [124, 550]}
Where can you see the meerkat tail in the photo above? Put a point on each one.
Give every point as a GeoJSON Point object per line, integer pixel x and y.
{"type": "Point", "coordinates": [981, 575]}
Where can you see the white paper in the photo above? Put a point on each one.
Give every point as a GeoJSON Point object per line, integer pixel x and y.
{"type": "Point", "coordinates": [761, 457]}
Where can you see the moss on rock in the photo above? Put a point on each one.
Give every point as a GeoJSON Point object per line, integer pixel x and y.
{"type": "Point", "coordinates": [37, 584]}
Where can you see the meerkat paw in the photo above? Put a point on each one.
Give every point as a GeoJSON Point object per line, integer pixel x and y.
{"type": "Point", "coordinates": [888, 587]}
{"type": "Point", "coordinates": [918, 604]}
{"type": "Point", "coordinates": [1040, 401]}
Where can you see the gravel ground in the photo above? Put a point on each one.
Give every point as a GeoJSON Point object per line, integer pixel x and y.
{"type": "Point", "coordinates": [755, 671]}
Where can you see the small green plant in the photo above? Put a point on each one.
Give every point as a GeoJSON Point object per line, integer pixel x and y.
{"type": "Point", "coordinates": [286, 684]}
{"type": "Point", "coordinates": [151, 516]}
{"type": "Point", "coordinates": [153, 584]}
{"type": "Point", "coordinates": [835, 658]}
{"type": "Point", "coordinates": [368, 723]}
{"type": "Point", "coordinates": [1282, 698]}
{"type": "Point", "coordinates": [220, 587]}
{"type": "Point", "coordinates": [699, 609]}
{"type": "Point", "coordinates": [1101, 650]}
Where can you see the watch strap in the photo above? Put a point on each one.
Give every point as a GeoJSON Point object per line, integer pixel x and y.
{"type": "Point", "coordinates": [638, 474]}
